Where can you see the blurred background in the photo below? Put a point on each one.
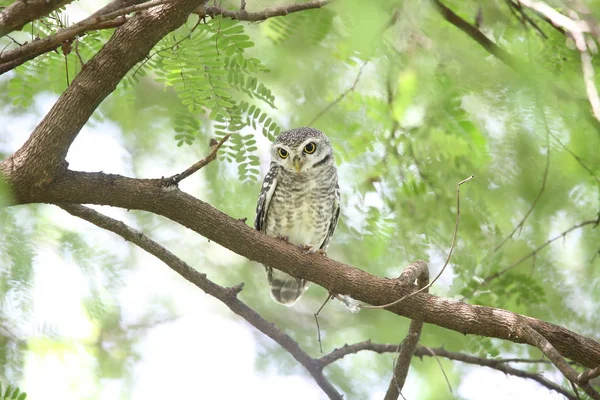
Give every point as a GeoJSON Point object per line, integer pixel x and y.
{"type": "Point", "coordinates": [412, 106]}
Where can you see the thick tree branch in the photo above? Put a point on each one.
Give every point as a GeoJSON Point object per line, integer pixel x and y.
{"type": "Point", "coordinates": [152, 195]}
{"type": "Point", "coordinates": [111, 16]}
{"type": "Point", "coordinates": [421, 351]}
{"type": "Point", "coordinates": [243, 15]}
{"type": "Point", "coordinates": [226, 295]}
{"type": "Point", "coordinates": [103, 19]}
{"type": "Point", "coordinates": [21, 12]}
{"type": "Point", "coordinates": [42, 155]}
{"type": "Point", "coordinates": [420, 272]}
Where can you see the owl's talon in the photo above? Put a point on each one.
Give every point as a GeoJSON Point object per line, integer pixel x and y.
{"type": "Point", "coordinates": [310, 249]}
{"type": "Point", "coordinates": [284, 238]}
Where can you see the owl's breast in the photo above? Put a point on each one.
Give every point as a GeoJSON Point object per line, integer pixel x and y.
{"type": "Point", "coordinates": [301, 211]}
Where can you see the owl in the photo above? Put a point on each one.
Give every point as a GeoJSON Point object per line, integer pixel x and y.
{"type": "Point", "coordinates": [299, 201]}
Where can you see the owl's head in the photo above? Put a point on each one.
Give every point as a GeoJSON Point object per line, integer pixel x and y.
{"type": "Point", "coordinates": [302, 149]}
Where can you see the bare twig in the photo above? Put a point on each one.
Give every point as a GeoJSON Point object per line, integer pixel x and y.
{"type": "Point", "coordinates": [524, 18]}
{"type": "Point", "coordinates": [175, 179]}
{"type": "Point", "coordinates": [579, 160]}
{"type": "Point", "coordinates": [549, 351]}
{"type": "Point", "coordinates": [537, 250]}
{"type": "Point", "coordinates": [540, 192]}
{"type": "Point", "coordinates": [454, 237]}
{"type": "Point", "coordinates": [476, 34]}
{"type": "Point", "coordinates": [441, 367]}
{"type": "Point", "coordinates": [421, 351]}
{"type": "Point", "coordinates": [341, 96]}
{"type": "Point", "coordinates": [317, 321]}
{"type": "Point", "coordinates": [226, 295]}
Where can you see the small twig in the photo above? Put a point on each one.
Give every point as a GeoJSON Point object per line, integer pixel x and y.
{"type": "Point", "coordinates": [524, 18]}
{"type": "Point", "coordinates": [497, 364]}
{"type": "Point", "coordinates": [540, 192]}
{"type": "Point", "coordinates": [149, 57]}
{"type": "Point", "coordinates": [175, 179]}
{"type": "Point", "coordinates": [454, 237]}
{"type": "Point", "coordinates": [441, 367]}
{"type": "Point", "coordinates": [577, 158]}
{"type": "Point", "coordinates": [534, 252]}
{"type": "Point", "coordinates": [317, 321]}
{"type": "Point", "coordinates": [341, 96]}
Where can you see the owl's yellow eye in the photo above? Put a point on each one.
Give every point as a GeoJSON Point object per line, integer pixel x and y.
{"type": "Point", "coordinates": [282, 153]}
{"type": "Point", "coordinates": [310, 148]}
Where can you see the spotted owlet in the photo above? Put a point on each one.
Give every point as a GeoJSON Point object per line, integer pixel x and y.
{"type": "Point", "coordinates": [299, 201]}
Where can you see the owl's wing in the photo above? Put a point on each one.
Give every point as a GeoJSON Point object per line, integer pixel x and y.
{"type": "Point", "coordinates": [334, 217]}
{"type": "Point", "coordinates": [264, 198]}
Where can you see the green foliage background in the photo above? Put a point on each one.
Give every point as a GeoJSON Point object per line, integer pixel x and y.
{"type": "Point", "coordinates": [423, 107]}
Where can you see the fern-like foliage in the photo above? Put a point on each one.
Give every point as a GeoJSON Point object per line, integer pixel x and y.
{"type": "Point", "coordinates": [313, 25]}
{"type": "Point", "coordinates": [12, 393]}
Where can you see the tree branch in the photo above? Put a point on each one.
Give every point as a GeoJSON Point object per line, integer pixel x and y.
{"type": "Point", "coordinates": [228, 296]}
{"type": "Point", "coordinates": [538, 249]}
{"type": "Point", "coordinates": [243, 15]}
{"type": "Point", "coordinates": [21, 12]}
{"type": "Point", "coordinates": [420, 272]}
{"type": "Point", "coordinates": [99, 20]}
{"type": "Point", "coordinates": [152, 195]}
{"type": "Point", "coordinates": [549, 351]}
{"type": "Point", "coordinates": [476, 34]}
{"type": "Point", "coordinates": [175, 179]}
{"type": "Point", "coordinates": [108, 17]}
{"type": "Point", "coordinates": [42, 155]}
{"type": "Point", "coordinates": [422, 351]}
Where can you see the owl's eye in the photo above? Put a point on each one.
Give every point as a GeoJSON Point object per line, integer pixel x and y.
{"type": "Point", "coordinates": [310, 148]}
{"type": "Point", "coordinates": [282, 153]}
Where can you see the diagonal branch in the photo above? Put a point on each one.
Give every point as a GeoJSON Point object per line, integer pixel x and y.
{"type": "Point", "coordinates": [244, 15]}
{"type": "Point", "coordinates": [549, 351]}
{"type": "Point", "coordinates": [99, 20]}
{"type": "Point", "coordinates": [52, 138]}
{"type": "Point", "coordinates": [226, 295]}
{"type": "Point", "coordinates": [476, 34]}
{"type": "Point", "coordinates": [175, 179]}
{"type": "Point", "coordinates": [21, 12]}
{"type": "Point", "coordinates": [538, 249]}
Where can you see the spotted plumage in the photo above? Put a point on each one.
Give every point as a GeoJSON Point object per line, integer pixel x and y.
{"type": "Point", "coordinates": [299, 200]}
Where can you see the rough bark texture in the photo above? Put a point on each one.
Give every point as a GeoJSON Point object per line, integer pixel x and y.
{"type": "Point", "coordinates": [44, 153]}
{"type": "Point", "coordinates": [21, 12]}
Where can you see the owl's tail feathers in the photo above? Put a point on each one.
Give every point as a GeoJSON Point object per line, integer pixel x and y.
{"type": "Point", "coordinates": [285, 289]}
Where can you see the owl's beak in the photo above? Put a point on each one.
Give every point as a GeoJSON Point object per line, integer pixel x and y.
{"type": "Point", "coordinates": [298, 163]}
